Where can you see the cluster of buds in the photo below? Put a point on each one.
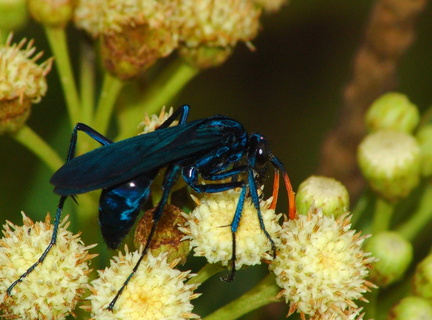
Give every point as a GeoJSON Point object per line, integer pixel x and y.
{"type": "Point", "coordinates": [390, 156]}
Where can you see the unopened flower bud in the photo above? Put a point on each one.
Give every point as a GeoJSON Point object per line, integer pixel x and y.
{"type": "Point", "coordinates": [422, 283]}
{"type": "Point", "coordinates": [412, 308]}
{"type": "Point", "coordinates": [167, 237]}
{"type": "Point", "coordinates": [13, 14]}
{"type": "Point", "coordinates": [394, 254]}
{"type": "Point", "coordinates": [390, 161]}
{"type": "Point", "coordinates": [325, 193]}
{"type": "Point", "coordinates": [392, 111]}
{"type": "Point", "coordinates": [23, 82]}
{"type": "Point", "coordinates": [424, 139]}
{"type": "Point", "coordinates": [52, 13]}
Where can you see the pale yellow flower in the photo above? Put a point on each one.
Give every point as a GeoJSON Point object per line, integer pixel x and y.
{"type": "Point", "coordinates": [209, 229]}
{"type": "Point", "coordinates": [54, 287]}
{"type": "Point", "coordinates": [321, 267]}
{"type": "Point", "coordinates": [156, 290]}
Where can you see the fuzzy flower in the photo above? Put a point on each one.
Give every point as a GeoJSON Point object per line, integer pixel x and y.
{"type": "Point", "coordinates": [151, 123]}
{"type": "Point", "coordinates": [321, 266]}
{"type": "Point", "coordinates": [22, 82]}
{"type": "Point", "coordinates": [211, 29]}
{"type": "Point", "coordinates": [134, 33]}
{"type": "Point", "coordinates": [53, 288]}
{"type": "Point", "coordinates": [156, 291]}
{"type": "Point", "coordinates": [209, 229]}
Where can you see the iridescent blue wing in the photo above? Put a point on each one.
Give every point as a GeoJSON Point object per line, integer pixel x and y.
{"type": "Point", "coordinates": [122, 161]}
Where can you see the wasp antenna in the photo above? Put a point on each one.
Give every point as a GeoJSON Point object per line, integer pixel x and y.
{"type": "Point", "coordinates": [275, 189]}
{"type": "Point", "coordinates": [291, 195]}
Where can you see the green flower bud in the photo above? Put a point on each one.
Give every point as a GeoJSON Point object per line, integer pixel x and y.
{"type": "Point", "coordinates": [394, 254]}
{"type": "Point", "coordinates": [167, 238]}
{"type": "Point", "coordinates": [325, 193]}
{"type": "Point", "coordinates": [412, 308]}
{"type": "Point", "coordinates": [392, 111]}
{"type": "Point", "coordinates": [390, 161]}
{"type": "Point", "coordinates": [422, 283]}
{"type": "Point", "coordinates": [13, 14]}
{"type": "Point", "coordinates": [424, 139]}
{"type": "Point", "coordinates": [52, 13]}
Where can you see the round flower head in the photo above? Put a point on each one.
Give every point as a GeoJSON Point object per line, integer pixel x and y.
{"type": "Point", "coordinates": [218, 25]}
{"type": "Point", "coordinates": [321, 266]}
{"type": "Point", "coordinates": [394, 255]}
{"type": "Point", "coordinates": [325, 193]}
{"type": "Point", "coordinates": [392, 111]}
{"type": "Point", "coordinates": [22, 82]}
{"type": "Point", "coordinates": [53, 288]}
{"type": "Point", "coordinates": [209, 229]}
{"type": "Point", "coordinates": [390, 161]}
{"type": "Point", "coordinates": [134, 33]}
{"type": "Point", "coordinates": [412, 308]}
{"type": "Point", "coordinates": [156, 290]}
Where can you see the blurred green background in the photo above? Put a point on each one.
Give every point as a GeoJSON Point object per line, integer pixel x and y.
{"type": "Point", "coordinates": [289, 89]}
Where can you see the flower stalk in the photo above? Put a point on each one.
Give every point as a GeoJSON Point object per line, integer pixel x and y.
{"type": "Point", "coordinates": [265, 292]}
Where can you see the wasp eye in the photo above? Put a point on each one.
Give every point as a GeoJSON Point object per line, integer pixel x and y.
{"type": "Point", "coordinates": [259, 152]}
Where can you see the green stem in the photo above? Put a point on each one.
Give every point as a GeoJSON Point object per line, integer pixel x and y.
{"type": "Point", "coordinates": [206, 272]}
{"type": "Point", "coordinates": [382, 216]}
{"type": "Point", "coordinates": [110, 89]}
{"type": "Point", "coordinates": [262, 294]}
{"type": "Point", "coordinates": [87, 82]}
{"type": "Point", "coordinates": [32, 141]}
{"type": "Point", "coordinates": [420, 218]}
{"type": "Point", "coordinates": [58, 43]}
{"type": "Point", "coordinates": [162, 90]}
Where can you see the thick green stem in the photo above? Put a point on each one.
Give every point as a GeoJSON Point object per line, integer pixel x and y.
{"type": "Point", "coordinates": [161, 92]}
{"type": "Point", "coordinates": [262, 294]}
{"type": "Point", "coordinates": [419, 219]}
{"type": "Point", "coordinates": [110, 90]}
{"type": "Point", "coordinates": [32, 141]}
{"type": "Point", "coordinates": [382, 216]}
{"type": "Point", "coordinates": [58, 44]}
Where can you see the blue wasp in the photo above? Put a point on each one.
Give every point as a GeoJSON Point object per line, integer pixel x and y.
{"type": "Point", "coordinates": [215, 148]}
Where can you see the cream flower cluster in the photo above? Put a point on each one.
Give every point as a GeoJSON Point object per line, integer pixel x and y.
{"type": "Point", "coordinates": [51, 290]}
{"type": "Point", "coordinates": [321, 266]}
{"type": "Point", "coordinates": [156, 290]}
{"type": "Point", "coordinates": [209, 229]}
{"type": "Point", "coordinates": [20, 76]}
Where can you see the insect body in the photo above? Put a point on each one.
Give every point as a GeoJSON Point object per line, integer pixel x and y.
{"type": "Point", "coordinates": [215, 148]}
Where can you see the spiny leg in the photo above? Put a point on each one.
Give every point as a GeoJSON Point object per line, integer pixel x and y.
{"type": "Point", "coordinates": [171, 177]}
{"type": "Point", "coordinates": [71, 153]}
{"type": "Point", "coordinates": [47, 249]}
